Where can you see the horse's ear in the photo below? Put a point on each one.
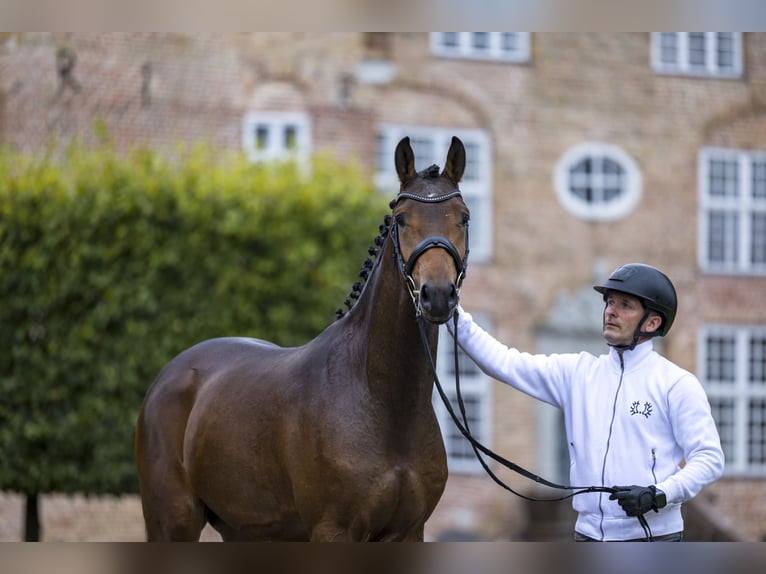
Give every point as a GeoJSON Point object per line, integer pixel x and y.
{"type": "Point", "coordinates": [405, 160]}
{"type": "Point", "coordinates": [455, 164]}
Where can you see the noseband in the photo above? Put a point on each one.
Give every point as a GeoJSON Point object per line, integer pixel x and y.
{"type": "Point", "coordinates": [406, 267]}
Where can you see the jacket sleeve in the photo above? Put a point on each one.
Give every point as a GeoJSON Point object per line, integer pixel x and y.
{"type": "Point", "coordinates": [540, 376]}
{"type": "Point", "coordinates": [696, 433]}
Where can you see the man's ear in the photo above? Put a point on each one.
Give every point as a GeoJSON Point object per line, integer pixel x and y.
{"type": "Point", "coordinates": [652, 324]}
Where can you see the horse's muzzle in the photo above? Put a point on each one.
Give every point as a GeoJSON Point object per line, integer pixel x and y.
{"type": "Point", "coordinates": [437, 302]}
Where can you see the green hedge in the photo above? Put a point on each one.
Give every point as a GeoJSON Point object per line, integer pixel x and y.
{"type": "Point", "coordinates": [112, 264]}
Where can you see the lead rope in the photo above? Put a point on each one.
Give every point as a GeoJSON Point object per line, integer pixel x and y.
{"type": "Point", "coordinates": [479, 448]}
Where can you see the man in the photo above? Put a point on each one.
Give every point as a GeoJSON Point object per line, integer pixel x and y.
{"type": "Point", "coordinates": [632, 417]}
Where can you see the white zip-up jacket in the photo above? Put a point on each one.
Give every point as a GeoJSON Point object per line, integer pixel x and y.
{"type": "Point", "coordinates": [631, 418]}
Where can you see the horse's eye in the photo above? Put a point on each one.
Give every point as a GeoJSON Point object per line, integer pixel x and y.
{"type": "Point", "coordinates": [400, 220]}
{"type": "Point", "coordinates": [466, 218]}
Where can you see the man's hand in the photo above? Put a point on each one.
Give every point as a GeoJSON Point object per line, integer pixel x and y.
{"type": "Point", "coordinates": [635, 500]}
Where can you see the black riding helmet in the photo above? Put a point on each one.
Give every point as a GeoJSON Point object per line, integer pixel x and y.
{"type": "Point", "coordinates": [650, 285]}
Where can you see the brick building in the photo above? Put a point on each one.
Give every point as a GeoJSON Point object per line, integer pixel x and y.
{"type": "Point", "coordinates": [585, 151]}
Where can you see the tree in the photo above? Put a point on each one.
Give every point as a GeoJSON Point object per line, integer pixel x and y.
{"type": "Point", "coordinates": [112, 264]}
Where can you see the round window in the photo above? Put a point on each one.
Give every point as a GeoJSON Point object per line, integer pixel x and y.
{"type": "Point", "coordinates": [597, 182]}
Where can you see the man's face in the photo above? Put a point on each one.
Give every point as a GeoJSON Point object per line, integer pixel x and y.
{"type": "Point", "coordinates": [621, 317]}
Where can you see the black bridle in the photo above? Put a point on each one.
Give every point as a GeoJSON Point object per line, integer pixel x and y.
{"type": "Point", "coordinates": [405, 267]}
{"type": "Point", "coordinates": [461, 264]}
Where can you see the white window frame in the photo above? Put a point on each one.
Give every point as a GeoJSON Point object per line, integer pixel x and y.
{"type": "Point", "coordinates": [737, 206]}
{"type": "Point", "coordinates": [461, 45]}
{"type": "Point", "coordinates": [475, 386]}
{"type": "Point", "coordinates": [598, 207]}
{"type": "Point", "coordinates": [276, 123]}
{"type": "Point", "coordinates": [736, 390]}
{"type": "Point", "coordinates": [682, 64]}
{"type": "Point", "coordinates": [430, 145]}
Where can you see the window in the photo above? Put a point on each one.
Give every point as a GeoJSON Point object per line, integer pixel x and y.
{"type": "Point", "coordinates": [733, 367]}
{"type": "Point", "coordinates": [268, 136]}
{"type": "Point", "coordinates": [597, 182]}
{"type": "Point", "coordinates": [475, 390]}
{"type": "Point", "coordinates": [500, 46]}
{"type": "Point", "coordinates": [732, 219]}
{"type": "Point", "coordinates": [430, 146]}
{"type": "Point", "coordinates": [716, 54]}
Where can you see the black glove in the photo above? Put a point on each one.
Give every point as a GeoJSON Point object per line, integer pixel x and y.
{"type": "Point", "coordinates": [635, 500]}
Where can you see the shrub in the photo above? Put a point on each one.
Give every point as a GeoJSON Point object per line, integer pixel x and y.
{"type": "Point", "coordinates": [112, 264]}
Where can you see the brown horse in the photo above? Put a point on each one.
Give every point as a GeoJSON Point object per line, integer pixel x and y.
{"type": "Point", "coordinates": [333, 440]}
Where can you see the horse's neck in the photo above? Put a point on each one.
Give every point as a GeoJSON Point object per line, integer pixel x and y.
{"type": "Point", "coordinates": [396, 359]}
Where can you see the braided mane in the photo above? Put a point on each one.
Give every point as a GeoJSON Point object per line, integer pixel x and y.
{"type": "Point", "coordinates": [364, 271]}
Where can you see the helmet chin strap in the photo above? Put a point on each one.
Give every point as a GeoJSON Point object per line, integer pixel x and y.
{"type": "Point", "coordinates": [638, 334]}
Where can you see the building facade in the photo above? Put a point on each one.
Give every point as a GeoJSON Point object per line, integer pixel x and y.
{"type": "Point", "coordinates": [585, 151]}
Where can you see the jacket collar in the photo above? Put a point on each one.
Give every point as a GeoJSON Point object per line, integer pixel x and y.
{"type": "Point", "coordinates": [632, 358]}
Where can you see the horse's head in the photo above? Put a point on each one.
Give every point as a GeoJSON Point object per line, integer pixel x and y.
{"type": "Point", "coordinates": [430, 231]}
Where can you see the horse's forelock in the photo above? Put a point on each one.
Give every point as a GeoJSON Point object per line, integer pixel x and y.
{"type": "Point", "coordinates": [430, 171]}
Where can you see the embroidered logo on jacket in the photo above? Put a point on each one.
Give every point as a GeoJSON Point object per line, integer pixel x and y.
{"type": "Point", "coordinates": [637, 409]}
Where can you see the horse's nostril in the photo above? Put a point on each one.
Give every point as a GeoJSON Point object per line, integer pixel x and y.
{"type": "Point", "coordinates": [425, 296]}
{"type": "Point", "coordinates": [453, 299]}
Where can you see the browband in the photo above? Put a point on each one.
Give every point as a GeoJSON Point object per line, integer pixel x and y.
{"type": "Point", "coordinates": [429, 199]}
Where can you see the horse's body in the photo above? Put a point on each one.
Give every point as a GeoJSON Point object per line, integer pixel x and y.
{"type": "Point", "coordinates": [333, 440]}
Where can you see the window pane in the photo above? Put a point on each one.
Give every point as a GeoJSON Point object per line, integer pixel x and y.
{"type": "Point", "coordinates": [723, 413]}
{"type": "Point", "coordinates": [458, 445]}
{"type": "Point", "coordinates": [471, 161]}
{"type": "Point", "coordinates": [611, 166]}
{"type": "Point", "coordinates": [584, 193]}
{"type": "Point", "coordinates": [509, 41]}
{"type": "Point", "coordinates": [612, 179]}
{"type": "Point", "coordinates": [697, 49]}
{"type": "Point", "coordinates": [758, 238]}
{"type": "Point", "coordinates": [423, 150]}
{"type": "Point", "coordinates": [669, 48]}
{"type": "Point", "coordinates": [583, 167]}
{"type": "Point", "coordinates": [759, 180]}
{"type": "Point", "coordinates": [480, 40]}
{"type": "Point", "coordinates": [723, 178]}
{"type": "Point", "coordinates": [449, 39]}
{"type": "Point", "coordinates": [290, 137]}
{"type": "Point", "coordinates": [261, 137]}
{"type": "Point", "coordinates": [467, 367]}
{"type": "Point", "coordinates": [757, 432]}
{"type": "Point", "coordinates": [721, 356]}
{"type": "Point", "coordinates": [757, 362]}
{"type": "Point", "coordinates": [725, 50]}
{"type": "Point", "coordinates": [723, 231]}
{"type": "Point", "coordinates": [580, 180]}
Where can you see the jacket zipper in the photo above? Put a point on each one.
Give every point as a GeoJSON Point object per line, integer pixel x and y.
{"type": "Point", "coordinates": [608, 441]}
